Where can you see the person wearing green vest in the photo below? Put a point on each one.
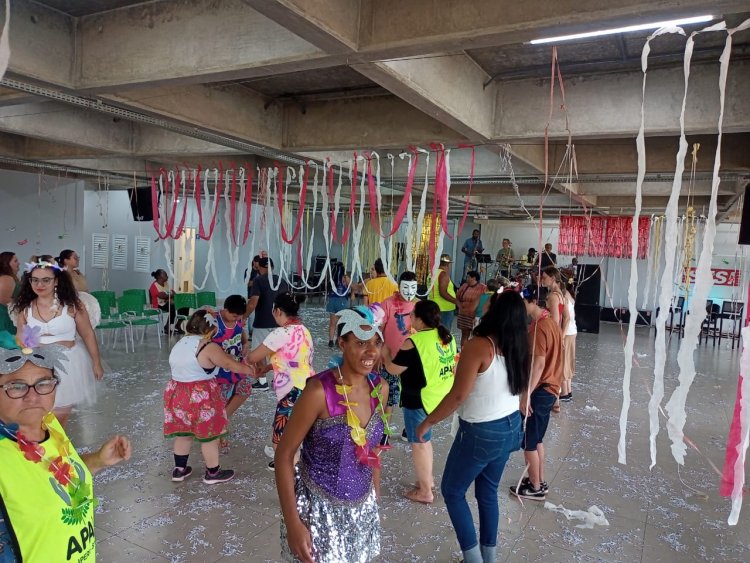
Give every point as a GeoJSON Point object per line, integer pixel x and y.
{"type": "Point", "coordinates": [46, 495]}
{"type": "Point", "coordinates": [425, 364]}
{"type": "Point", "coordinates": [443, 292]}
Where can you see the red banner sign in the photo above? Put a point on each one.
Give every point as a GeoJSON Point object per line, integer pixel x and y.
{"type": "Point", "coordinates": [722, 276]}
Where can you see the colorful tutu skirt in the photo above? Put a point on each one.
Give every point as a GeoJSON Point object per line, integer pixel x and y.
{"type": "Point", "coordinates": [194, 409]}
{"type": "Point", "coordinates": [77, 381]}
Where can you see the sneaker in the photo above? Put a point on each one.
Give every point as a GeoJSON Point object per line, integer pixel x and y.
{"type": "Point", "coordinates": [179, 474]}
{"type": "Point", "coordinates": [528, 492]}
{"type": "Point", "coordinates": [271, 466]}
{"type": "Point", "coordinates": [221, 476]}
{"type": "Point", "coordinates": [269, 451]}
{"type": "Point", "coordinates": [566, 398]}
{"type": "Point", "coordinates": [260, 386]}
{"type": "Point", "coordinates": [330, 343]}
{"type": "Point", "coordinates": [404, 437]}
{"type": "Point", "coordinates": [543, 485]}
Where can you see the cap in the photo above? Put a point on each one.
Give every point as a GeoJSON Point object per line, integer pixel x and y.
{"type": "Point", "coordinates": [446, 258]}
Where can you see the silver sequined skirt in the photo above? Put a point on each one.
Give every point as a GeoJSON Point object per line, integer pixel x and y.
{"type": "Point", "coordinates": [342, 532]}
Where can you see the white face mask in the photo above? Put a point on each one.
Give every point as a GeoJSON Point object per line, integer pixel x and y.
{"type": "Point", "coordinates": [408, 290]}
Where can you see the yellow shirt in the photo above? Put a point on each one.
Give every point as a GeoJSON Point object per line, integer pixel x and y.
{"type": "Point", "coordinates": [50, 522]}
{"type": "Point", "coordinates": [378, 290]}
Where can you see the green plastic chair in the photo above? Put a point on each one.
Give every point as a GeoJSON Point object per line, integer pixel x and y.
{"type": "Point", "coordinates": [205, 298]}
{"type": "Point", "coordinates": [148, 311]}
{"type": "Point", "coordinates": [110, 321]}
{"type": "Point", "coordinates": [107, 300]}
{"type": "Point", "coordinates": [184, 301]}
{"type": "Point", "coordinates": [130, 309]}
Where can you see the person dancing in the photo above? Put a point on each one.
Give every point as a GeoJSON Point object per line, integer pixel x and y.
{"type": "Point", "coordinates": [490, 377]}
{"type": "Point", "coordinates": [49, 301]}
{"type": "Point", "coordinates": [329, 508]}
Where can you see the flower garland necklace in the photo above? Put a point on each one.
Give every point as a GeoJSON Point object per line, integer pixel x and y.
{"type": "Point", "coordinates": [362, 450]}
{"type": "Point", "coordinates": [68, 475]}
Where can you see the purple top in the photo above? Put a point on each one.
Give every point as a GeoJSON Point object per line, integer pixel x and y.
{"type": "Point", "coordinates": [329, 462]}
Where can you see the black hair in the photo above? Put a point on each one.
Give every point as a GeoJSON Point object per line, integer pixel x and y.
{"type": "Point", "coordinates": [5, 269]}
{"type": "Point", "coordinates": [64, 255]}
{"type": "Point", "coordinates": [429, 313]}
{"type": "Point", "coordinates": [66, 292]}
{"type": "Point", "coordinates": [198, 324]}
{"type": "Point", "coordinates": [407, 276]}
{"type": "Point", "coordinates": [256, 258]}
{"type": "Point", "coordinates": [474, 274]}
{"type": "Point", "coordinates": [505, 323]}
{"type": "Point", "coordinates": [379, 269]}
{"type": "Point", "coordinates": [265, 262]}
{"type": "Point", "coordinates": [156, 273]}
{"type": "Point", "coordinates": [493, 285]}
{"type": "Point", "coordinates": [235, 304]}
{"type": "Point", "coordinates": [289, 303]}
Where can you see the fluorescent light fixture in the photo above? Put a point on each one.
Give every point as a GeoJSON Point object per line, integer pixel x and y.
{"type": "Point", "coordinates": [627, 29]}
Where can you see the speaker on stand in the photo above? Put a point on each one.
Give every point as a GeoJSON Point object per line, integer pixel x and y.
{"type": "Point", "coordinates": [744, 237]}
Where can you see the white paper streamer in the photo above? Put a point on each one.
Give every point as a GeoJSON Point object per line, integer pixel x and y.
{"type": "Point", "coordinates": [5, 42]}
{"type": "Point", "coordinates": [591, 517]}
{"type": "Point", "coordinates": [703, 282]}
{"type": "Point", "coordinates": [665, 287]}
{"type": "Point", "coordinates": [652, 263]}
{"type": "Point", "coordinates": [422, 205]}
{"type": "Point", "coordinates": [633, 287]}
{"type": "Point", "coordinates": [409, 222]}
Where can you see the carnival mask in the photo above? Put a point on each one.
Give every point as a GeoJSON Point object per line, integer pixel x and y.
{"type": "Point", "coordinates": [408, 290]}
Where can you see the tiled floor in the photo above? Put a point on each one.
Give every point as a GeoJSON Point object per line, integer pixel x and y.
{"type": "Point", "coordinates": [652, 515]}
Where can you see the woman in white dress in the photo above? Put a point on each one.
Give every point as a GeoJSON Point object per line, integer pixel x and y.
{"type": "Point", "coordinates": [48, 301]}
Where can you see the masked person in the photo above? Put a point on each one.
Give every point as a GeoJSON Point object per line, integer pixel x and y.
{"type": "Point", "coordinates": [397, 328]}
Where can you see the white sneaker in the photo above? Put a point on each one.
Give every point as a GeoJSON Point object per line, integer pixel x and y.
{"type": "Point", "coordinates": [270, 452]}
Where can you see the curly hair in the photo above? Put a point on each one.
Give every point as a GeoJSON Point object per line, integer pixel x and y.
{"type": "Point", "coordinates": [5, 260]}
{"type": "Point", "coordinates": [66, 292]}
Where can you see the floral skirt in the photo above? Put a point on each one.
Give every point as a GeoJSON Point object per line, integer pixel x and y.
{"type": "Point", "coordinates": [194, 409]}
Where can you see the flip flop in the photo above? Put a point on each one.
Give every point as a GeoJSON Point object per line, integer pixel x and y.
{"type": "Point", "coordinates": [411, 495]}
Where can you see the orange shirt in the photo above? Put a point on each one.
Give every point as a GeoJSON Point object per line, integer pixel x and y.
{"type": "Point", "coordinates": [545, 339]}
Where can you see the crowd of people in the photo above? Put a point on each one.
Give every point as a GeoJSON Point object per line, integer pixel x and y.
{"type": "Point", "coordinates": [329, 430]}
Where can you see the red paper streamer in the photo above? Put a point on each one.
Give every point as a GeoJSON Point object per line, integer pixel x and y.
{"type": "Point", "coordinates": [197, 195]}
{"type": "Point", "coordinates": [282, 196]}
{"type": "Point", "coordinates": [404, 206]}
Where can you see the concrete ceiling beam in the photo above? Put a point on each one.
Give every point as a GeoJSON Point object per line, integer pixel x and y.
{"type": "Point", "coordinates": [365, 123]}
{"type": "Point", "coordinates": [149, 140]}
{"type": "Point", "coordinates": [609, 105]}
{"type": "Point", "coordinates": [42, 44]}
{"type": "Point", "coordinates": [61, 123]}
{"type": "Point", "coordinates": [331, 25]}
{"type": "Point", "coordinates": [700, 188]}
{"type": "Point", "coordinates": [187, 41]}
{"type": "Point", "coordinates": [449, 88]}
{"type": "Point", "coordinates": [229, 110]}
{"type": "Point", "coordinates": [40, 149]}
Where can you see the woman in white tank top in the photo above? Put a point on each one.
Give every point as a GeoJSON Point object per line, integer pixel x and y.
{"type": "Point", "coordinates": [490, 376]}
{"type": "Point", "coordinates": [48, 303]}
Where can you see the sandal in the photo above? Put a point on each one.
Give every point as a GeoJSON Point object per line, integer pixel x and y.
{"type": "Point", "coordinates": [412, 496]}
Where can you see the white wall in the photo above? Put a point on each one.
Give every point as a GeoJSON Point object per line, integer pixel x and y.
{"type": "Point", "coordinates": [44, 211]}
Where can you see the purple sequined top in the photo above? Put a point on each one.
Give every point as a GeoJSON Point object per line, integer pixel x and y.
{"type": "Point", "coordinates": [329, 462]}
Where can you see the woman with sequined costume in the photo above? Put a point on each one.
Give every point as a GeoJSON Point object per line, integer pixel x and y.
{"type": "Point", "coordinates": [330, 511]}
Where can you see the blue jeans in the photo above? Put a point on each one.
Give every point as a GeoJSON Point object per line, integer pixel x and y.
{"type": "Point", "coordinates": [479, 454]}
{"type": "Point", "coordinates": [446, 318]}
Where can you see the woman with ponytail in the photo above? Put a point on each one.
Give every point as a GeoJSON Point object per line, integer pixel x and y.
{"type": "Point", "coordinates": [490, 377]}
{"type": "Point", "coordinates": [290, 349]}
{"type": "Point", "coordinates": [425, 365]}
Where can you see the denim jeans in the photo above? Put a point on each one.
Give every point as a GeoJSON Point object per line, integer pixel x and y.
{"type": "Point", "coordinates": [479, 454]}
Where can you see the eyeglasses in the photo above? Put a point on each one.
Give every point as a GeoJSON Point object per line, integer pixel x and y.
{"type": "Point", "coordinates": [19, 389]}
{"type": "Point", "coordinates": [41, 281]}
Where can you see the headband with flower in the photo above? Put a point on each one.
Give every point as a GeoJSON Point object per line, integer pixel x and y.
{"type": "Point", "coordinates": [31, 266]}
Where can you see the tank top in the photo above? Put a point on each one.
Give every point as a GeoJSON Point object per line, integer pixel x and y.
{"type": "Point", "coordinates": [62, 328]}
{"type": "Point", "coordinates": [491, 398]}
{"type": "Point", "coordinates": [572, 327]}
{"type": "Point", "coordinates": [183, 361]}
{"type": "Point", "coordinates": [435, 296]}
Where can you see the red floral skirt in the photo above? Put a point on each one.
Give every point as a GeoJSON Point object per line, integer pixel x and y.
{"type": "Point", "coordinates": [194, 409]}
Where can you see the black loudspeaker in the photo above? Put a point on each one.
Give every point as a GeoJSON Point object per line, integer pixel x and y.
{"type": "Point", "coordinates": [587, 317]}
{"type": "Point", "coordinates": [140, 204]}
{"type": "Point", "coordinates": [588, 284]}
{"type": "Point", "coordinates": [744, 237]}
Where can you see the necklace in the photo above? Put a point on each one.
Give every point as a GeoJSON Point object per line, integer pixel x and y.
{"type": "Point", "coordinates": [358, 434]}
{"type": "Point", "coordinates": [68, 475]}
{"type": "Point", "coordinates": [55, 313]}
